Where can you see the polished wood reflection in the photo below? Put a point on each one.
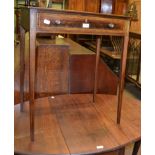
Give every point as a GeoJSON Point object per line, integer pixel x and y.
{"type": "Point", "coordinates": [72, 124]}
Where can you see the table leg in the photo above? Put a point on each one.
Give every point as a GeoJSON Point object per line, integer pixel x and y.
{"type": "Point", "coordinates": [96, 66]}
{"type": "Point", "coordinates": [32, 44]}
{"type": "Point", "coordinates": [136, 147]}
{"type": "Point", "coordinates": [22, 51]}
{"type": "Point", "coordinates": [122, 77]}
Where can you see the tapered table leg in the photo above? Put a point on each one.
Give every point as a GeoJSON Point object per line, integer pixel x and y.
{"type": "Point", "coordinates": [32, 80]}
{"type": "Point", "coordinates": [136, 147]}
{"type": "Point", "coordinates": [96, 66]}
{"type": "Point", "coordinates": [22, 51]}
{"type": "Point", "coordinates": [122, 76]}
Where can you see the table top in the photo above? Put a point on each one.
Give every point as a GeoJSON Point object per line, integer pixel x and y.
{"type": "Point", "coordinates": [43, 20]}
{"type": "Point", "coordinates": [73, 124]}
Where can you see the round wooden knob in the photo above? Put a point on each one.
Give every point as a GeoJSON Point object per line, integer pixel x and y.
{"type": "Point", "coordinates": [58, 22]}
{"type": "Point", "coordinates": [111, 25]}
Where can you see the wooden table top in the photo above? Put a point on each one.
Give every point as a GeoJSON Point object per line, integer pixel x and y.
{"type": "Point", "coordinates": [73, 124]}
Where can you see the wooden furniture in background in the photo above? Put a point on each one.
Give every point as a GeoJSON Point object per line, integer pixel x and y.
{"type": "Point", "coordinates": [60, 2]}
{"type": "Point", "coordinates": [114, 6]}
{"type": "Point", "coordinates": [136, 25]}
{"type": "Point", "coordinates": [17, 27]}
{"type": "Point", "coordinates": [111, 55]}
{"type": "Point", "coordinates": [39, 20]}
{"type": "Point", "coordinates": [52, 71]}
{"type": "Point", "coordinates": [82, 63]}
{"type": "Point", "coordinates": [133, 71]}
{"type": "Point", "coordinates": [41, 3]}
{"type": "Point", "coordinates": [83, 5]}
{"type": "Point", "coordinates": [102, 6]}
{"type": "Point", "coordinates": [107, 6]}
{"type": "Point", "coordinates": [121, 7]}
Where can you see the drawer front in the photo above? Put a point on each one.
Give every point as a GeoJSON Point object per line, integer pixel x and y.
{"type": "Point", "coordinates": [48, 21]}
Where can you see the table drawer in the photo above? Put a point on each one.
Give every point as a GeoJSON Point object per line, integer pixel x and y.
{"type": "Point", "coordinates": [47, 20]}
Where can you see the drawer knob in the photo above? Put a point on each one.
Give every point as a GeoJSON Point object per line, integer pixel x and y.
{"type": "Point", "coordinates": [111, 25]}
{"type": "Point", "coordinates": [47, 22]}
{"type": "Point", "coordinates": [57, 22]}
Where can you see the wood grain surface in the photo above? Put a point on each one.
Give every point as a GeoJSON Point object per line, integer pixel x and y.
{"type": "Point", "coordinates": [52, 73]}
{"type": "Point", "coordinates": [73, 124]}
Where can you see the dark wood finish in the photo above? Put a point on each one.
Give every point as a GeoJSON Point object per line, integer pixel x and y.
{"type": "Point", "coordinates": [121, 6]}
{"type": "Point", "coordinates": [114, 6]}
{"type": "Point", "coordinates": [32, 54]}
{"type": "Point", "coordinates": [134, 61]}
{"type": "Point", "coordinates": [17, 26]}
{"type": "Point", "coordinates": [75, 5]}
{"type": "Point", "coordinates": [48, 136]}
{"type": "Point", "coordinates": [121, 151]}
{"type": "Point", "coordinates": [82, 69]}
{"type": "Point", "coordinates": [103, 51]}
{"type": "Point", "coordinates": [121, 27]}
{"type": "Point", "coordinates": [94, 17]}
{"type": "Point", "coordinates": [98, 44]}
{"type": "Point", "coordinates": [82, 73]}
{"type": "Point", "coordinates": [83, 5]}
{"type": "Point", "coordinates": [122, 75]}
{"type": "Point", "coordinates": [92, 6]}
{"type": "Point", "coordinates": [22, 62]}
{"type": "Point", "coordinates": [72, 124]}
{"type": "Point", "coordinates": [60, 23]}
{"type": "Point", "coordinates": [136, 147]}
{"type": "Point", "coordinates": [52, 75]}
{"type": "Point", "coordinates": [107, 6]}
{"type": "Point", "coordinates": [103, 6]}
{"type": "Point", "coordinates": [81, 66]}
{"type": "Point", "coordinates": [107, 82]}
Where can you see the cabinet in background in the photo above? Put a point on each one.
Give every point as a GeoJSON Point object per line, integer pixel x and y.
{"type": "Point", "coordinates": [121, 7]}
{"type": "Point", "coordinates": [83, 5]}
{"type": "Point", "coordinates": [107, 6]}
{"type": "Point", "coordinates": [114, 6]}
